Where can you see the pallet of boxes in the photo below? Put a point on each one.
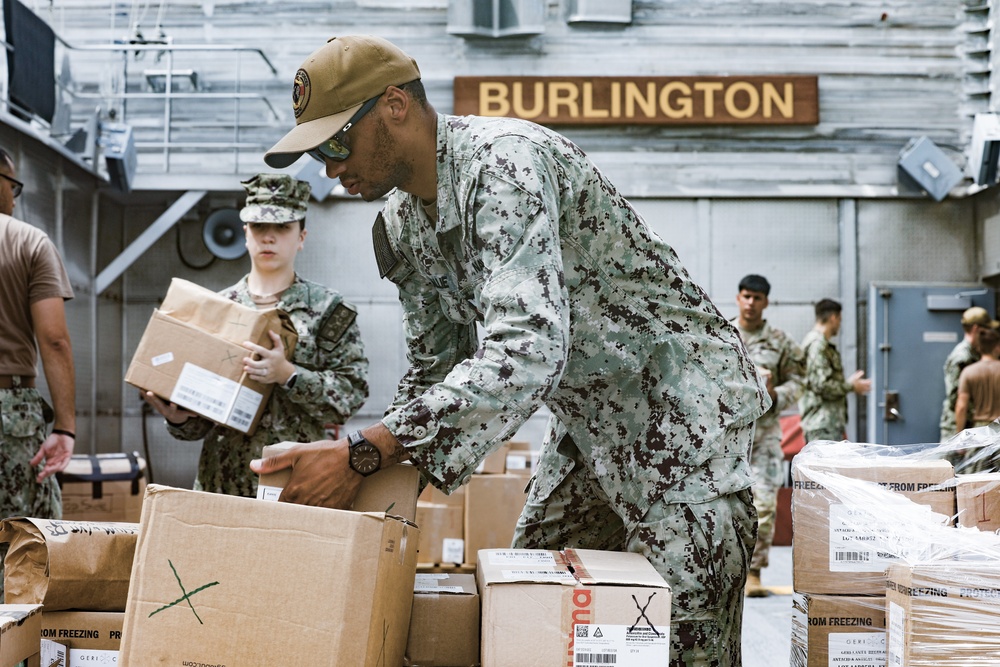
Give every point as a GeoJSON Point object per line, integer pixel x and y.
{"type": "Point", "coordinates": [882, 573]}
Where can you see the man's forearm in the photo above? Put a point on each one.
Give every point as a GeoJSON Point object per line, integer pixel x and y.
{"type": "Point", "coordinates": [392, 452]}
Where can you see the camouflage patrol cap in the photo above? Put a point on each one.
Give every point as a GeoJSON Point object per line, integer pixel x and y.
{"type": "Point", "coordinates": [276, 198]}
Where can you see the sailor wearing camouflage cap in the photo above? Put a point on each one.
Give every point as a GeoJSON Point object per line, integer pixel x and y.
{"type": "Point", "coordinates": [275, 198]}
{"type": "Point", "coordinates": [326, 380]}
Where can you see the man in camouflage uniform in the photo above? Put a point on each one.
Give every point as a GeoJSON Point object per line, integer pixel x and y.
{"type": "Point", "coordinates": [326, 380]}
{"type": "Point", "coordinates": [33, 289]}
{"type": "Point", "coordinates": [823, 405]}
{"type": "Point", "coordinates": [508, 225]}
{"type": "Point", "coordinates": [965, 353]}
{"type": "Point", "coordinates": [781, 363]}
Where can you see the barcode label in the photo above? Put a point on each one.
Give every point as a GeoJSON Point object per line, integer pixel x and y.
{"type": "Point", "coordinates": [856, 556]}
{"type": "Point", "coordinates": [640, 645]}
{"type": "Point", "coordinates": [202, 391]}
{"type": "Point", "coordinates": [244, 409]}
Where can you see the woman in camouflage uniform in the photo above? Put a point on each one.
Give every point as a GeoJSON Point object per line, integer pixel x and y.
{"type": "Point", "coordinates": [326, 380]}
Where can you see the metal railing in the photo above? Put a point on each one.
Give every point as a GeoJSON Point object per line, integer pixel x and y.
{"type": "Point", "coordinates": [152, 111]}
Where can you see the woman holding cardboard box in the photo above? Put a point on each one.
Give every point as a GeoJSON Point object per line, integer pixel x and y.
{"type": "Point", "coordinates": [325, 380]}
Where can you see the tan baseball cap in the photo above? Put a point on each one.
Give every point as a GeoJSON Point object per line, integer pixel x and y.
{"type": "Point", "coordinates": [980, 316]}
{"type": "Point", "coordinates": [332, 84]}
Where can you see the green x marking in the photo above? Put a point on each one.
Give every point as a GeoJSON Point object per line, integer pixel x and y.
{"type": "Point", "coordinates": [187, 596]}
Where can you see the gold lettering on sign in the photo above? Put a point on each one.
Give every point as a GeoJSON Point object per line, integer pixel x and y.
{"type": "Point", "coordinates": [707, 100]}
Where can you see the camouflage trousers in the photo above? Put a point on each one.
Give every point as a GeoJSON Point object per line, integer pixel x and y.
{"type": "Point", "coordinates": [22, 431]}
{"type": "Point", "coordinates": [766, 463]}
{"type": "Point", "coordinates": [701, 549]}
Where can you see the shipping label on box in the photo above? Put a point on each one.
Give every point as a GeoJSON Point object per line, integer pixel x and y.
{"type": "Point", "coordinates": [838, 630]}
{"type": "Point", "coordinates": [192, 354]}
{"type": "Point", "coordinates": [20, 632]}
{"type": "Point", "coordinates": [444, 624]}
{"type": "Point", "coordinates": [393, 489]}
{"type": "Point", "coordinates": [830, 554]}
{"type": "Point", "coordinates": [574, 607]}
{"type": "Point", "coordinates": [223, 580]}
{"type": "Point", "coordinates": [103, 487]}
{"type": "Point", "coordinates": [943, 614]}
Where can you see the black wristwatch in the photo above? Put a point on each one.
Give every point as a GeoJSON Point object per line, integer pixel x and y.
{"type": "Point", "coordinates": [364, 458]}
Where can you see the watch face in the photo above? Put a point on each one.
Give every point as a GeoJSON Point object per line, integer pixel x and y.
{"type": "Point", "coordinates": [365, 458]}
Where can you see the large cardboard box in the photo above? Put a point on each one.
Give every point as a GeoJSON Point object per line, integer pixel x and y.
{"type": "Point", "coordinates": [392, 490]}
{"type": "Point", "coordinates": [444, 624]}
{"type": "Point", "coordinates": [493, 504]}
{"type": "Point", "coordinates": [495, 462]}
{"type": "Point", "coordinates": [20, 632]}
{"type": "Point", "coordinates": [977, 500]}
{"type": "Point", "coordinates": [838, 631]}
{"type": "Point", "coordinates": [223, 580]}
{"type": "Point", "coordinates": [90, 637]}
{"type": "Point", "coordinates": [192, 354]}
{"type": "Point", "coordinates": [578, 606]}
{"type": "Point", "coordinates": [829, 554]}
{"type": "Point", "coordinates": [943, 614]}
{"type": "Point", "coordinates": [103, 487]}
{"type": "Point", "coordinates": [441, 533]}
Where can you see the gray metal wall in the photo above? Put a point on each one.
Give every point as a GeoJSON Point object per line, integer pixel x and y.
{"type": "Point", "coordinates": [816, 209]}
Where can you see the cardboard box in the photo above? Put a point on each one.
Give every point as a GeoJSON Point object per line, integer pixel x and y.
{"type": "Point", "coordinates": [444, 624]}
{"type": "Point", "coordinates": [829, 556]}
{"type": "Point", "coordinates": [223, 580]}
{"type": "Point", "coordinates": [392, 490]}
{"type": "Point", "coordinates": [192, 354]}
{"type": "Point", "coordinates": [493, 504]}
{"type": "Point", "coordinates": [20, 632]}
{"type": "Point", "coordinates": [89, 637]}
{"type": "Point", "coordinates": [521, 459]}
{"type": "Point", "coordinates": [495, 462]}
{"type": "Point", "coordinates": [977, 500]}
{"type": "Point", "coordinates": [441, 533]}
{"type": "Point", "coordinates": [434, 496]}
{"type": "Point", "coordinates": [838, 630]}
{"type": "Point", "coordinates": [944, 614]}
{"type": "Point", "coordinates": [546, 608]}
{"type": "Point", "coordinates": [68, 564]}
{"type": "Point", "coordinates": [105, 487]}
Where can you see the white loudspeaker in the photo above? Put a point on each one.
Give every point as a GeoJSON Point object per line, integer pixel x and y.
{"type": "Point", "coordinates": [222, 233]}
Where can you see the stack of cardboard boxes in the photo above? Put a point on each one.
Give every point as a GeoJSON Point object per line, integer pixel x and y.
{"type": "Point", "coordinates": [882, 575]}
{"type": "Point", "coordinates": [481, 514]}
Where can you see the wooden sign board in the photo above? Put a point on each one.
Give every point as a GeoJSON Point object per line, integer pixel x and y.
{"type": "Point", "coordinates": [605, 100]}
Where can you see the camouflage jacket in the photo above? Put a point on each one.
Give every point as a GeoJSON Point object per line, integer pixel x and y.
{"type": "Point", "coordinates": [332, 385]}
{"type": "Point", "coordinates": [958, 358]}
{"type": "Point", "coordinates": [823, 405]}
{"type": "Point", "coordinates": [773, 349]}
{"type": "Point", "coordinates": [582, 308]}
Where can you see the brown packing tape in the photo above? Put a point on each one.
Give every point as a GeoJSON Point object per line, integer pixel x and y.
{"type": "Point", "coordinates": [68, 564]}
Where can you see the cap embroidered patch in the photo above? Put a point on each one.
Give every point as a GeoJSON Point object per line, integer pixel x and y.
{"type": "Point", "coordinates": [300, 92]}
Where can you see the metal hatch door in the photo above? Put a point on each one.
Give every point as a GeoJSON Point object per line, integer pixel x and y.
{"type": "Point", "coordinates": [911, 330]}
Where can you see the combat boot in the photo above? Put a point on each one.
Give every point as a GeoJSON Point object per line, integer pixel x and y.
{"type": "Point", "coordinates": [754, 589]}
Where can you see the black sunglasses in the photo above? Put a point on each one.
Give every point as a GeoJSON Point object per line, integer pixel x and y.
{"type": "Point", "coordinates": [334, 147]}
{"type": "Point", "coordinates": [16, 185]}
